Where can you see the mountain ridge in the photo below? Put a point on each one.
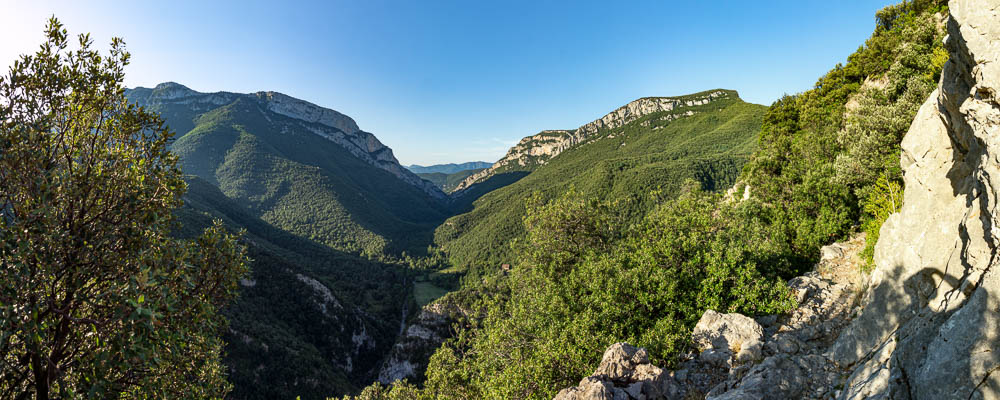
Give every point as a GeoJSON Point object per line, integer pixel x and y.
{"type": "Point", "coordinates": [449, 168]}
{"type": "Point", "coordinates": [328, 123]}
{"type": "Point", "coordinates": [305, 169]}
{"type": "Point", "coordinates": [532, 151]}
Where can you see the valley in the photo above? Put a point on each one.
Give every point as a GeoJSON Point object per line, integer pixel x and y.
{"type": "Point", "coordinates": [332, 216]}
{"type": "Point", "coordinates": [837, 243]}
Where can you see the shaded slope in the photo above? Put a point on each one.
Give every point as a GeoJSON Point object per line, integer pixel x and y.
{"type": "Point", "coordinates": [448, 181]}
{"type": "Point", "coordinates": [309, 321]}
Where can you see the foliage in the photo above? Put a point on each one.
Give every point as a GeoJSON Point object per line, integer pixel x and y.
{"type": "Point", "coordinates": [654, 152]}
{"type": "Point", "coordinates": [585, 281]}
{"type": "Point", "coordinates": [396, 391]}
{"type": "Point", "coordinates": [822, 151]}
{"type": "Point", "coordinates": [96, 300]}
{"type": "Point", "coordinates": [574, 292]}
{"type": "Point", "coordinates": [884, 199]}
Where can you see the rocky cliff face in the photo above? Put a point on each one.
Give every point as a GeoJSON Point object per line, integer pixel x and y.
{"type": "Point", "coordinates": [324, 122]}
{"type": "Point", "coordinates": [537, 149]}
{"type": "Point", "coordinates": [930, 325]}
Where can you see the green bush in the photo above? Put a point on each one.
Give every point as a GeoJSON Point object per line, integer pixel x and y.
{"type": "Point", "coordinates": [885, 198]}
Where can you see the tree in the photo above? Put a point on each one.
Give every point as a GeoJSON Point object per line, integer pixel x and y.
{"type": "Point", "coordinates": [96, 299]}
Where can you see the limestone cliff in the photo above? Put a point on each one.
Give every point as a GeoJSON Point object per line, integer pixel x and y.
{"type": "Point", "coordinates": [324, 122]}
{"type": "Point", "coordinates": [930, 323]}
{"type": "Point", "coordinates": [537, 149]}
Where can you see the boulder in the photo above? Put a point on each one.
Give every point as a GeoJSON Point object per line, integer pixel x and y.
{"type": "Point", "coordinates": [624, 373]}
{"type": "Point", "coordinates": [728, 332]}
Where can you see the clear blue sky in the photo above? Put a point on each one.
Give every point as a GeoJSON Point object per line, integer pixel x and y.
{"type": "Point", "coordinates": [450, 81]}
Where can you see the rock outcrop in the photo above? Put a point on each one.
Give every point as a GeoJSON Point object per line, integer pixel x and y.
{"type": "Point", "coordinates": [624, 373]}
{"type": "Point", "coordinates": [420, 338]}
{"type": "Point", "coordinates": [324, 122]}
{"type": "Point", "coordinates": [930, 325]}
{"type": "Point", "coordinates": [926, 323]}
{"type": "Point", "coordinates": [537, 149]}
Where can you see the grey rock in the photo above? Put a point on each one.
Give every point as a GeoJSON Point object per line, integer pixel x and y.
{"type": "Point", "coordinates": [718, 358]}
{"type": "Point", "coordinates": [929, 325]}
{"type": "Point", "coordinates": [750, 352]}
{"type": "Point", "coordinates": [725, 331]}
{"type": "Point", "coordinates": [624, 373]}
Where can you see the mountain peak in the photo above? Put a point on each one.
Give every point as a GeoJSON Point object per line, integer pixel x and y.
{"type": "Point", "coordinates": [172, 86]}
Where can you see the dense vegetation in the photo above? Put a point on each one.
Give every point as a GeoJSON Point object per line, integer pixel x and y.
{"type": "Point", "coordinates": [829, 157]}
{"type": "Point", "coordinates": [96, 299]}
{"type": "Point", "coordinates": [286, 339]}
{"type": "Point", "coordinates": [622, 238]}
{"type": "Point", "coordinates": [827, 164]}
{"type": "Point", "coordinates": [650, 154]}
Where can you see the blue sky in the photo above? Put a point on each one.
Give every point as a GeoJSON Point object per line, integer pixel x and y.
{"type": "Point", "coordinates": [454, 81]}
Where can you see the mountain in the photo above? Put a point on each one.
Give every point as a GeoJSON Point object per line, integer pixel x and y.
{"type": "Point", "coordinates": [448, 182]}
{"type": "Point", "coordinates": [309, 321]}
{"type": "Point", "coordinates": [320, 201]}
{"type": "Point", "coordinates": [746, 294]}
{"type": "Point", "coordinates": [923, 324]}
{"type": "Point", "coordinates": [536, 150]}
{"type": "Point", "coordinates": [651, 144]}
{"type": "Point", "coordinates": [448, 168]}
{"type": "Point", "coordinates": [303, 168]}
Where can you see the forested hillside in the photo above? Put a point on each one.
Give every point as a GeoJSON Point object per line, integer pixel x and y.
{"type": "Point", "coordinates": [320, 201]}
{"type": "Point", "coordinates": [315, 176]}
{"type": "Point", "coordinates": [309, 320]}
{"type": "Point", "coordinates": [655, 152]}
{"type": "Point", "coordinates": [827, 163]}
{"type": "Point", "coordinates": [166, 243]}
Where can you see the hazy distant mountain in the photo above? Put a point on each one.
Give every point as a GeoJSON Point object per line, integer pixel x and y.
{"type": "Point", "coordinates": [448, 168]}
{"type": "Point", "coordinates": [448, 182]}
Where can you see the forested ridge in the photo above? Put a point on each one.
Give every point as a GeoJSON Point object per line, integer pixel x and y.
{"type": "Point", "coordinates": [826, 164]}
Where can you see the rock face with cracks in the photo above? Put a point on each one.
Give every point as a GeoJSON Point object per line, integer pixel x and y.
{"type": "Point", "coordinates": [930, 325]}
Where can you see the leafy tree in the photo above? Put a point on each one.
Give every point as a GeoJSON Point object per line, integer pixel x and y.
{"type": "Point", "coordinates": [96, 299]}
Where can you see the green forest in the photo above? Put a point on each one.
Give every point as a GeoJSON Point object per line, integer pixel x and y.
{"type": "Point", "coordinates": [823, 164]}
{"type": "Point", "coordinates": [166, 243]}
